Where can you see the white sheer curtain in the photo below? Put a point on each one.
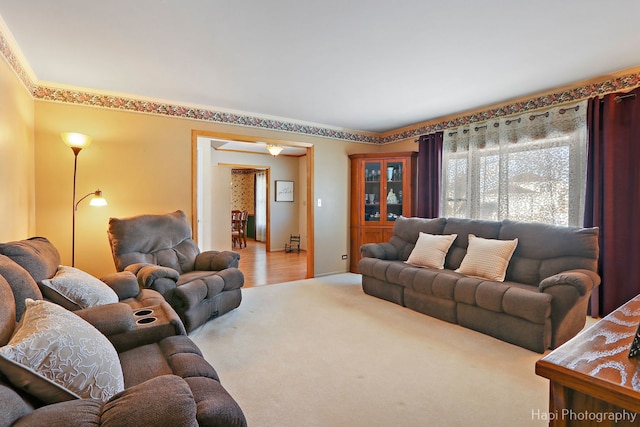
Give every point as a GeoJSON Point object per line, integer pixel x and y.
{"type": "Point", "coordinates": [530, 167]}
{"type": "Point", "coordinates": [261, 206]}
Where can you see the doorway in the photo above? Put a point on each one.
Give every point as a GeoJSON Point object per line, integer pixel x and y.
{"type": "Point", "coordinates": [214, 155]}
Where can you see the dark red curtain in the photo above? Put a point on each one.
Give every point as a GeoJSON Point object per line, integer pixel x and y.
{"type": "Point", "coordinates": [613, 196]}
{"type": "Point", "coordinates": [429, 174]}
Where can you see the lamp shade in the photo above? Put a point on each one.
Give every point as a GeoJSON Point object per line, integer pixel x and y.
{"type": "Point", "coordinates": [76, 140]}
{"type": "Point", "coordinates": [274, 150]}
{"type": "Point", "coordinates": [98, 199]}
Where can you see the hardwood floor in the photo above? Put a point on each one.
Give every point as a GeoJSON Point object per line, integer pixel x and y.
{"type": "Point", "coordinates": [261, 268]}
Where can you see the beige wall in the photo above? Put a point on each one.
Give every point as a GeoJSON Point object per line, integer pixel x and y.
{"type": "Point", "coordinates": [142, 163]}
{"type": "Point", "coordinates": [283, 218]}
{"type": "Point", "coordinates": [17, 196]}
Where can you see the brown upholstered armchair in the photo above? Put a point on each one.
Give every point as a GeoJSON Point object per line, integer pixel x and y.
{"type": "Point", "coordinates": [160, 251]}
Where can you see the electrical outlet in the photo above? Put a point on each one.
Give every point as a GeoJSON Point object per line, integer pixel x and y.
{"type": "Point", "coordinates": [344, 256]}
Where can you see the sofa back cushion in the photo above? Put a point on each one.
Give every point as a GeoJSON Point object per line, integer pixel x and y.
{"type": "Point", "coordinates": [544, 250]}
{"type": "Point", "coordinates": [7, 312]}
{"type": "Point", "coordinates": [407, 230]}
{"type": "Point", "coordinates": [163, 239]}
{"type": "Point", "coordinates": [21, 284]}
{"type": "Point", "coordinates": [37, 255]}
{"type": "Point", "coordinates": [463, 227]}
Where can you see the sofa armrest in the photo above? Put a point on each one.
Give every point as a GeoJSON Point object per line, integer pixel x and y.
{"type": "Point", "coordinates": [582, 280]}
{"type": "Point", "coordinates": [109, 319]}
{"type": "Point", "coordinates": [163, 400]}
{"type": "Point", "coordinates": [379, 250]}
{"type": "Point", "coordinates": [124, 284]}
{"type": "Point", "coordinates": [216, 260]}
{"type": "Point", "coordinates": [154, 276]}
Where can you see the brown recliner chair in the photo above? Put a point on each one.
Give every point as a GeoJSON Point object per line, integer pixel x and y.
{"type": "Point", "coordinates": [160, 251]}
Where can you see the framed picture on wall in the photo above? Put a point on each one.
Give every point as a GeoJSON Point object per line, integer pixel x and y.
{"type": "Point", "coordinates": [284, 191]}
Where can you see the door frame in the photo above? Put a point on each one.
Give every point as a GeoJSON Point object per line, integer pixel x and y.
{"type": "Point", "coordinates": [195, 134]}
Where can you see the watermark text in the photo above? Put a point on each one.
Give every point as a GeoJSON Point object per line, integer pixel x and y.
{"type": "Point", "coordinates": [571, 415]}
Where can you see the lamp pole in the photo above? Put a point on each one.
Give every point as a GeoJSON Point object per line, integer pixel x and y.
{"type": "Point", "coordinates": [76, 151]}
{"type": "Point", "coordinates": [75, 141]}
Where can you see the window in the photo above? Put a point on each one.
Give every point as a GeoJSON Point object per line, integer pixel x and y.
{"type": "Point", "coordinates": [526, 168]}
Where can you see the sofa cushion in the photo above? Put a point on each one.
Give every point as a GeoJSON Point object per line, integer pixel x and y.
{"type": "Point", "coordinates": [406, 232]}
{"type": "Point", "coordinates": [55, 356]}
{"type": "Point", "coordinates": [164, 240]}
{"type": "Point", "coordinates": [22, 284]}
{"type": "Point", "coordinates": [535, 259]}
{"type": "Point", "coordinates": [7, 312]}
{"type": "Point", "coordinates": [36, 255]}
{"type": "Point", "coordinates": [463, 227]}
{"type": "Point", "coordinates": [74, 289]}
{"type": "Point", "coordinates": [431, 250]}
{"type": "Point", "coordinates": [178, 406]}
{"type": "Point", "coordinates": [487, 258]}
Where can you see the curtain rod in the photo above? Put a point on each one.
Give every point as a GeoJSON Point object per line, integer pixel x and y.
{"type": "Point", "coordinates": [531, 117]}
{"type": "Point", "coordinates": [619, 98]}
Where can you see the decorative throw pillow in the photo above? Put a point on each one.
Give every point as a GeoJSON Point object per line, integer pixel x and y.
{"type": "Point", "coordinates": [431, 250]}
{"type": "Point", "coordinates": [55, 356]}
{"type": "Point", "coordinates": [74, 289]}
{"type": "Point", "coordinates": [487, 258]}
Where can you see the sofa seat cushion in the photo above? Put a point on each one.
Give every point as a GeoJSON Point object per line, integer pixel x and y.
{"type": "Point", "coordinates": [210, 279]}
{"type": "Point", "coordinates": [512, 298]}
{"type": "Point", "coordinates": [176, 355]}
{"type": "Point", "coordinates": [386, 270]}
{"type": "Point", "coordinates": [439, 283]}
{"type": "Point", "coordinates": [128, 408]}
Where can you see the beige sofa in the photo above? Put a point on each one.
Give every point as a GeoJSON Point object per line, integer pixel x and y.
{"type": "Point", "coordinates": [164, 378]}
{"type": "Point", "coordinates": [541, 303]}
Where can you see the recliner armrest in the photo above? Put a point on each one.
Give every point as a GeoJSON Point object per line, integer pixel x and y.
{"type": "Point", "coordinates": [379, 250]}
{"type": "Point", "coordinates": [216, 260]}
{"type": "Point", "coordinates": [124, 284]}
{"type": "Point", "coordinates": [148, 273]}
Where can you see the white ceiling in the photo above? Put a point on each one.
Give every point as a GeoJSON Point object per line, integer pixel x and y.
{"type": "Point", "coordinates": [369, 65]}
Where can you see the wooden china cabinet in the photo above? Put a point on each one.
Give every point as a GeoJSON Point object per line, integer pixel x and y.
{"type": "Point", "coordinates": [382, 189]}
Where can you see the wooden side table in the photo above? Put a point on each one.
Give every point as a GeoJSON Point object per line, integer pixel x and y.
{"type": "Point", "coordinates": [592, 380]}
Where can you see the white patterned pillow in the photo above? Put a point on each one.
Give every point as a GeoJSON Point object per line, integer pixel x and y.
{"type": "Point", "coordinates": [55, 356]}
{"type": "Point", "coordinates": [431, 250]}
{"type": "Point", "coordinates": [74, 289]}
{"type": "Point", "coordinates": [487, 258]}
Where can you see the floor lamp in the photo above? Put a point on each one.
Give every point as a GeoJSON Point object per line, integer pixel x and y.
{"type": "Point", "coordinates": [78, 141]}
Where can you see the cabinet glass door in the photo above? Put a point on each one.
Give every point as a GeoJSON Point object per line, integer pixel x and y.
{"type": "Point", "coordinates": [372, 193]}
{"type": "Point", "coordinates": [393, 174]}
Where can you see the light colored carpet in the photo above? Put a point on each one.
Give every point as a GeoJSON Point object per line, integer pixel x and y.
{"type": "Point", "coordinates": [320, 352]}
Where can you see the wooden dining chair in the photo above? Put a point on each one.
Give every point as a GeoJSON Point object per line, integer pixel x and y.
{"type": "Point", "coordinates": [239, 228]}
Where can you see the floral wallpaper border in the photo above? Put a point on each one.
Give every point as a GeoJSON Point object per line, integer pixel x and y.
{"type": "Point", "coordinates": [622, 83]}
{"type": "Point", "coordinates": [79, 97]}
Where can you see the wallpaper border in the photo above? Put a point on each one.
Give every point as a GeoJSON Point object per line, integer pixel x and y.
{"type": "Point", "coordinates": [133, 104]}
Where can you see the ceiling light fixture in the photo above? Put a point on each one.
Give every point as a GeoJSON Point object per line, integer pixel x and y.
{"type": "Point", "coordinates": [274, 150]}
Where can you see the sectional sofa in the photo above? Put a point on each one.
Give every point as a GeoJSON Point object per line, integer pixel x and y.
{"type": "Point", "coordinates": [80, 358]}
{"type": "Point", "coordinates": [541, 301]}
